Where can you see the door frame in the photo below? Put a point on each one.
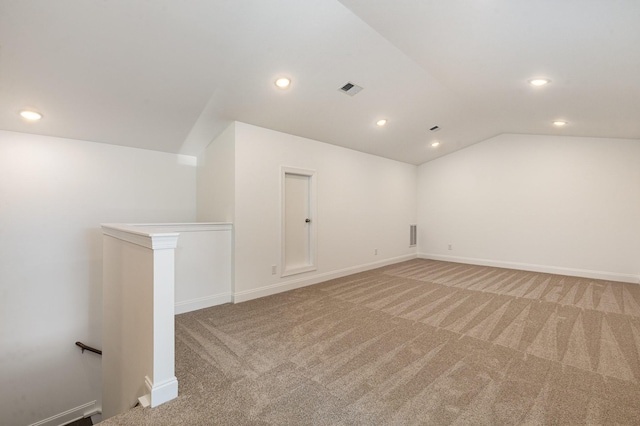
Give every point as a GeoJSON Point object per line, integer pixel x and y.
{"type": "Point", "coordinates": [311, 174]}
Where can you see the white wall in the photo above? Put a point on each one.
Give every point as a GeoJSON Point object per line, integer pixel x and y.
{"type": "Point", "coordinates": [54, 193]}
{"type": "Point", "coordinates": [557, 204]}
{"type": "Point", "coordinates": [138, 332]}
{"type": "Point", "coordinates": [216, 177]}
{"type": "Point", "coordinates": [202, 263]}
{"type": "Point", "coordinates": [364, 202]}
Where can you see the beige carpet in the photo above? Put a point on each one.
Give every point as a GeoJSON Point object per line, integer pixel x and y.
{"type": "Point", "coordinates": [420, 342]}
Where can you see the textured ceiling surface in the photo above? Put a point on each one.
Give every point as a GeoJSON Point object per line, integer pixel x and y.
{"type": "Point", "coordinates": [171, 75]}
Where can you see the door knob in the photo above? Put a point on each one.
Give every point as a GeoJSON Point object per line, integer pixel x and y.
{"type": "Point", "coordinates": [307, 220]}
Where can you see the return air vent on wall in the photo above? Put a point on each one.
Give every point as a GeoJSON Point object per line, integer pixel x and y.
{"type": "Point", "coordinates": [413, 235]}
{"type": "Point", "coordinates": [350, 88]}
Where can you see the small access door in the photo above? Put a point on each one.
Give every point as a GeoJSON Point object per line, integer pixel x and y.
{"type": "Point", "coordinates": [298, 221]}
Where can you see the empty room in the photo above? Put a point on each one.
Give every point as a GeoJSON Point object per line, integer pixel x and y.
{"type": "Point", "coordinates": [344, 212]}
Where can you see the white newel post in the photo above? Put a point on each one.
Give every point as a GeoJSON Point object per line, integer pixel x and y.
{"type": "Point", "coordinates": [138, 318]}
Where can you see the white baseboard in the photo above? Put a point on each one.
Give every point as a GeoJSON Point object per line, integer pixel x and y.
{"type": "Point", "coordinates": [70, 415]}
{"type": "Point", "coordinates": [585, 273]}
{"type": "Point", "coordinates": [202, 302]}
{"type": "Point", "coordinates": [292, 284]}
{"type": "Point", "coordinates": [162, 392]}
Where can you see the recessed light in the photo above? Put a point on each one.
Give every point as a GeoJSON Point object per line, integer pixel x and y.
{"type": "Point", "coordinates": [381, 123]}
{"type": "Point", "coordinates": [30, 115]}
{"type": "Point", "coordinates": [283, 82]}
{"type": "Point", "coordinates": [559, 123]}
{"type": "Point", "coordinates": [435, 144]}
{"type": "Point", "coordinates": [539, 81]}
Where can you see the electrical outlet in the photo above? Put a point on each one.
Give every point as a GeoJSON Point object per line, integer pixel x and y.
{"type": "Point", "coordinates": [375, 252]}
{"type": "Point", "coordinates": [450, 247]}
{"type": "Point", "coordinates": [274, 269]}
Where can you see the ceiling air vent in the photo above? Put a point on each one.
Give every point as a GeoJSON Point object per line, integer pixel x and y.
{"type": "Point", "coordinates": [434, 128]}
{"type": "Point", "coordinates": [350, 88]}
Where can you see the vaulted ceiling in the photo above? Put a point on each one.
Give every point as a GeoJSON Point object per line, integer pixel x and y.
{"type": "Point", "coordinates": [170, 75]}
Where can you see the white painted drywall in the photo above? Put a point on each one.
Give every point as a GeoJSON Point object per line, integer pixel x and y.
{"type": "Point", "coordinates": [203, 263]}
{"type": "Point", "coordinates": [364, 202]}
{"type": "Point", "coordinates": [128, 308]}
{"type": "Point", "coordinates": [203, 268]}
{"type": "Point", "coordinates": [568, 205]}
{"type": "Point", "coordinates": [138, 289]}
{"type": "Point", "coordinates": [54, 193]}
{"type": "Point", "coordinates": [216, 176]}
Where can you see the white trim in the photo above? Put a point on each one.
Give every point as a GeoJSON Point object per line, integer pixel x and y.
{"type": "Point", "coordinates": [69, 416]}
{"type": "Point", "coordinates": [299, 270]}
{"type": "Point", "coordinates": [268, 290]}
{"type": "Point", "coordinates": [558, 270]}
{"type": "Point", "coordinates": [145, 400]}
{"type": "Point", "coordinates": [158, 236]}
{"type": "Point", "coordinates": [151, 240]}
{"type": "Point", "coordinates": [162, 392]}
{"type": "Point", "coordinates": [186, 227]}
{"type": "Point", "coordinates": [202, 302]}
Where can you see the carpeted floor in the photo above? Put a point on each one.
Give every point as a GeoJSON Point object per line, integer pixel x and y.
{"type": "Point", "coordinates": [420, 342]}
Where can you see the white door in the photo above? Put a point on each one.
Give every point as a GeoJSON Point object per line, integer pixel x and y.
{"type": "Point", "coordinates": [298, 222]}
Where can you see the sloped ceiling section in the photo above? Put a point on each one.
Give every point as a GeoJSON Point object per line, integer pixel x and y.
{"type": "Point", "coordinates": [486, 51]}
{"type": "Point", "coordinates": [170, 75]}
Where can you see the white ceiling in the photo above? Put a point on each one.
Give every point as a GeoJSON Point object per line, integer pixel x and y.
{"type": "Point", "coordinates": [170, 75]}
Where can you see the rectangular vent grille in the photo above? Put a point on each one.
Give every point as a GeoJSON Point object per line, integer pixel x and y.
{"type": "Point", "coordinates": [413, 235]}
{"type": "Point", "coordinates": [350, 88]}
